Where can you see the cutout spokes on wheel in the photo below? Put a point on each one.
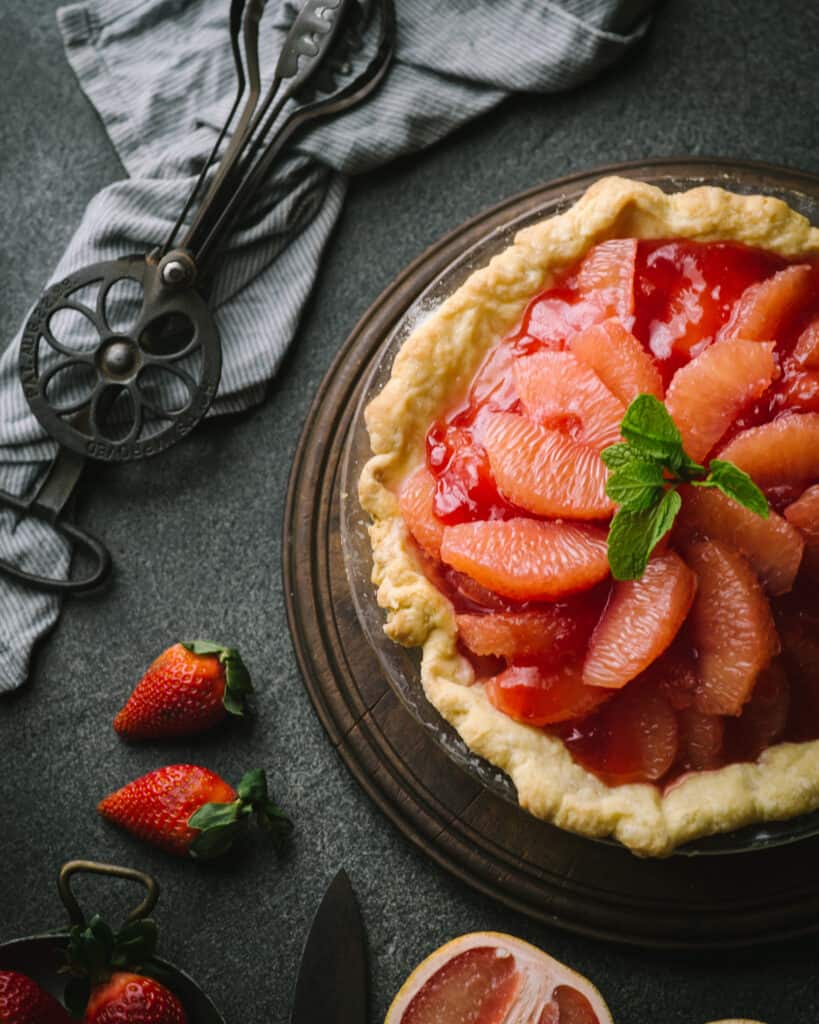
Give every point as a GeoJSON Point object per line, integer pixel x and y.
{"type": "Point", "coordinates": [118, 365]}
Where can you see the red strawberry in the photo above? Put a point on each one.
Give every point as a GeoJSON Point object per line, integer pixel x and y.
{"type": "Point", "coordinates": [133, 999]}
{"type": "Point", "coordinates": [22, 1001]}
{"type": "Point", "coordinates": [189, 810]}
{"type": "Point", "coordinates": [189, 687]}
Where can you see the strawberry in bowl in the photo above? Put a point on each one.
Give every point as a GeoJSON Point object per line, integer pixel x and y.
{"type": "Point", "coordinates": [595, 505]}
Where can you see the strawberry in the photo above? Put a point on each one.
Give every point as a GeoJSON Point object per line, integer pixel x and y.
{"type": "Point", "coordinates": [108, 983]}
{"type": "Point", "coordinates": [187, 810]}
{"type": "Point", "coordinates": [127, 998]}
{"type": "Point", "coordinates": [190, 687]}
{"type": "Point", "coordinates": [22, 1001]}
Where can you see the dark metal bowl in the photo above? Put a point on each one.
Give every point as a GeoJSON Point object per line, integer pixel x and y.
{"type": "Point", "coordinates": [41, 956]}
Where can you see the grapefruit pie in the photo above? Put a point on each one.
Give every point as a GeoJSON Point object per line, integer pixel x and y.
{"type": "Point", "coordinates": [594, 494]}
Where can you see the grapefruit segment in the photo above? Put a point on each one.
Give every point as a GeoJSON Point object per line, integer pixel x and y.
{"type": "Point", "coordinates": [798, 622]}
{"type": "Point", "coordinates": [773, 546]}
{"type": "Point", "coordinates": [763, 718]}
{"type": "Point", "coordinates": [731, 627]}
{"type": "Point", "coordinates": [525, 634]}
{"type": "Point", "coordinates": [416, 503]}
{"type": "Point", "coordinates": [701, 739]}
{"type": "Point", "coordinates": [543, 694]}
{"type": "Point", "coordinates": [640, 621]}
{"type": "Point", "coordinates": [490, 978]}
{"type": "Point", "coordinates": [765, 307]}
{"type": "Point", "coordinates": [806, 350]}
{"type": "Point", "coordinates": [550, 320]}
{"type": "Point", "coordinates": [559, 392]}
{"type": "Point", "coordinates": [804, 515]}
{"type": "Point", "coordinates": [706, 395]}
{"type": "Point", "coordinates": [619, 360]}
{"type": "Point", "coordinates": [782, 453]}
{"type": "Point", "coordinates": [544, 472]}
{"type": "Point", "coordinates": [525, 559]}
{"type": "Point", "coordinates": [471, 596]}
{"type": "Point", "coordinates": [675, 673]}
{"type": "Point", "coordinates": [633, 738]}
{"type": "Point", "coordinates": [475, 987]}
{"type": "Point", "coordinates": [568, 1006]}
{"type": "Point", "coordinates": [606, 277]}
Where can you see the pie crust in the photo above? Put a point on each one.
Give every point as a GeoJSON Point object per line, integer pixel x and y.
{"type": "Point", "coordinates": [431, 372]}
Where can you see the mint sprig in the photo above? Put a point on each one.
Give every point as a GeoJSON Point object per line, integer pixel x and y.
{"type": "Point", "coordinates": [646, 471]}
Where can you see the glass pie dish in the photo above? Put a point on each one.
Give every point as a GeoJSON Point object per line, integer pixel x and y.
{"type": "Point", "coordinates": [400, 665]}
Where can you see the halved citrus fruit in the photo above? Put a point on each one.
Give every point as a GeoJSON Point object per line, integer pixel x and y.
{"type": "Point", "coordinates": [543, 694]}
{"type": "Point", "coordinates": [416, 503]}
{"type": "Point", "coordinates": [619, 360]}
{"type": "Point", "coordinates": [559, 392]}
{"type": "Point", "coordinates": [782, 453]}
{"type": "Point", "coordinates": [640, 621]}
{"type": "Point", "coordinates": [543, 471]}
{"type": "Point", "coordinates": [731, 626]}
{"type": "Point", "coordinates": [526, 559]}
{"type": "Point", "coordinates": [764, 307]}
{"type": "Point", "coordinates": [706, 395]}
{"type": "Point", "coordinates": [773, 546]}
{"type": "Point", "coordinates": [490, 978]}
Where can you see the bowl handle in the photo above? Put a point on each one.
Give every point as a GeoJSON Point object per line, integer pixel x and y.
{"type": "Point", "coordinates": [91, 867]}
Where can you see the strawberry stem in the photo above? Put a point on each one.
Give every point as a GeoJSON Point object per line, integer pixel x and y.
{"type": "Point", "coordinates": [237, 677]}
{"type": "Point", "coordinates": [219, 823]}
{"type": "Point", "coordinates": [94, 950]}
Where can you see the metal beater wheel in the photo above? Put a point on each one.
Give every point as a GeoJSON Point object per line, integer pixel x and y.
{"type": "Point", "coordinates": [173, 325]}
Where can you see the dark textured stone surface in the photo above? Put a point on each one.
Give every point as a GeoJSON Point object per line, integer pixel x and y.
{"type": "Point", "coordinates": [195, 534]}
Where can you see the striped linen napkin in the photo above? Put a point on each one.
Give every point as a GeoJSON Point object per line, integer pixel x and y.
{"type": "Point", "coordinates": [160, 74]}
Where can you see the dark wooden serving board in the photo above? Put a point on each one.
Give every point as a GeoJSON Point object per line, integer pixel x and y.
{"type": "Point", "coordinates": [559, 878]}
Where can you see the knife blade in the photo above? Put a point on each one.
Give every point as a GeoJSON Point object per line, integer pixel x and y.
{"type": "Point", "coordinates": [332, 982]}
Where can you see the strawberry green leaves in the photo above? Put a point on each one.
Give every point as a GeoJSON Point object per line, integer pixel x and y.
{"type": "Point", "coordinates": [93, 951]}
{"type": "Point", "coordinates": [237, 677]}
{"type": "Point", "coordinates": [219, 823]}
{"type": "Point", "coordinates": [644, 475]}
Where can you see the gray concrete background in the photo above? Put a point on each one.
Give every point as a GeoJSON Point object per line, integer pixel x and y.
{"type": "Point", "coordinates": [195, 534]}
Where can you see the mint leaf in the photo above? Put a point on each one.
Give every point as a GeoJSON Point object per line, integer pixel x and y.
{"type": "Point", "coordinates": [637, 485]}
{"type": "Point", "coordinates": [735, 484]}
{"type": "Point", "coordinates": [618, 455]}
{"type": "Point", "coordinates": [634, 534]}
{"type": "Point", "coordinates": [645, 472]}
{"type": "Point", "coordinates": [648, 427]}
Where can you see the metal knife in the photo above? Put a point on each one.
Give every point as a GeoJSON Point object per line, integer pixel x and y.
{"type": "Point", "coordinates": [332, 982]}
